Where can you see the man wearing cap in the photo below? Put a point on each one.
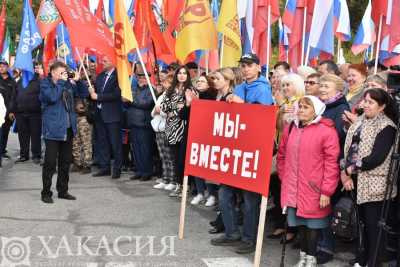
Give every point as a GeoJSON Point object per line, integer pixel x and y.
{"type": "Point", "coordinates": [256, 90]}
{"type": "Point", "coordinates": [7, 90]}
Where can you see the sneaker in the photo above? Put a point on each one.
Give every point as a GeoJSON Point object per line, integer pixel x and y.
{"type": "Point", "coordinates": [170, 187]}
{"type": "Point", "coordinates": [177, 192]}
{"type": "Point", "coordinates": [224, 241]}
{"type": "Point", "coordinates": [159, 180]}
{"type": "Point", "coordinates": [246, 247]}
{"type": "Point", "coordinates": [311, 261]}
{"type": "Point", "coordinates": [160, 185]}
{"type": "Point", "coordinates": [197, 199]}
{"type": "Point", "coordinates": [211, 201]}
{"type": "Point", "coordinates": [302, 260]}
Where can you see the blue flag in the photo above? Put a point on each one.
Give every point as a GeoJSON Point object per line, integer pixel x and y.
{"type": "Point", "coordinates": [29, 39]}
{"type": "Point", "coordinates": [64, 48]}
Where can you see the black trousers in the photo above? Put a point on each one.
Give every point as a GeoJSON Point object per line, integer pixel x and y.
{"type": "Point", "coordinates": [5, 130]}
{"type": "Point", "coordinates": [29, 134]}
{"type": "Point", "coordinates": [57, 152]}
{"type": "Point", "coordinates": [370, 213]}
{"type": "Point", "coordinates": [179, 150]}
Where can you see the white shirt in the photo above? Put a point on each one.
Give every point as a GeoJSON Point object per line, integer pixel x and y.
{"type": "Point", "coordinates": [2, 110]}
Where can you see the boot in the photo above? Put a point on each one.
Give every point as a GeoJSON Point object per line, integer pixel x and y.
{"type": "Point", "coordinates": [302, 261]}
{"type": "Point", "coordinates": [311, 261]}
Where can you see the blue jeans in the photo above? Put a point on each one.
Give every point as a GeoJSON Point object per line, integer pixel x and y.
{"type": "Point", "coordinates": [201, 187]}
{"type": "Point", "coordinates": [326, 241]}
{"type": "Point", "coordinates": [251, 213]}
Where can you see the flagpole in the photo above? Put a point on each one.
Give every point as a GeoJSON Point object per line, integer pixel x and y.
{"type": "Point", "coordinates": [268, 40]}
{"type": "Point", "coordinates": [207, 55]}
{"type": "Point", "coordinates": [62, 36]}
{"type": "Point", "coordinates": [303, 41]}
{"type": "Point", "coordinates": [221, 56]}
{"type": "Point", "coordinates": [339, 47]}
{"type": "Point", "coordinates": [58, 47]}
{"type": "Point", "coordinates": [378, 44]}
{"type": "Point", "coordinates": [91, 88]}
{"type": "Point", "coordinates": [146, 75]}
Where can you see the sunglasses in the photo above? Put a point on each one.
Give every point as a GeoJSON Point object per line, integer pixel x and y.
{"type": "Point", "coordinates": [310, 83]}
{"type": "Point", "coordinates": [141, 75]}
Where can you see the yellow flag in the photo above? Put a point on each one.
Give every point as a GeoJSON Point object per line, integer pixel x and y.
{"type": "Point", "coordinates": [197, 29]}
{"type": "Point", "coordinates": [228, 25]}
{"type": "Point", "coordinates": [125, 41]}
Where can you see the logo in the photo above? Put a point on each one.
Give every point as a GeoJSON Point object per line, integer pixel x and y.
{"type": "Point", "coordinates": [15, 251]}
{"type": "Point", "coordinates": [48, 12]}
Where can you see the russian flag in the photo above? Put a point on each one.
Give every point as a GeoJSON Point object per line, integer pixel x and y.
{"type": "Point", "coordinates": [366, 34]}
{"type": "Point", "coordinates": [322, 29]}
{"type": "Point", "coordinates": [342, 20]}
{"type": "Point", "coordinates": [390, 45]}
{"type": "Point", "coordinates": [283, 42]}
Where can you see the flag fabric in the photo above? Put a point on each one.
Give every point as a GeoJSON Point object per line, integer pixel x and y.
{"type": "Point", "coordinates": [86, 4]}
{"type": "Point", "coordinates": [283, 42]}
{"type": "Point", "coordinates": [87, 32]}
{"type": "Point", "coordinates": [322, 31]}
{"type": "Point", "coordinates": [260, 25]}
{"type": "Point", "coordinates": [64, 49]}
{"type": "Point", "coordinates": [390, 45]}
{"type": "Point", "coordinates": [379, 8]}
{"type": "Point", "coordinates": [365, 36]}
{"type": "Point", "coordinates": [99, 13]}
{"type": "Point", "coordinates": [49, 50]}
{"type": "Point", "coordinates": [29, 39]}
{"type": "Point", "coordinates": [228, 25]}
{"type": "Point", "coordinates": [172, 10]}
{"type": "Point", "coordinates": [3, 21]}
{"type": "Point", "coordinates": [197, 29]}
{"type": "Point", "coordinates": [248, 29]}
{"type": "Point", "coordinates": [342, 20]}
{"type": "Point", "coordinates": [125, 41]}
{"type": "Point", "coordinates": [5, 54]}
{"type": "Point", "coordinates": [48, 17]}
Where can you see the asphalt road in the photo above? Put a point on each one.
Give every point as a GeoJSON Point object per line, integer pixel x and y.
{"type": "Point", "coordinates": [112, 223]}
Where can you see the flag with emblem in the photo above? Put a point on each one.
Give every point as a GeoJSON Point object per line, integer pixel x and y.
{"type": "Point", "coordinates": [48, 17]}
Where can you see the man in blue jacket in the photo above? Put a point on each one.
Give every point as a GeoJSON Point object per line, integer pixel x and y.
{"type": "Point", "coordinates": [256, 90]}
{"type": "Point", "coordinates": [58, 129]}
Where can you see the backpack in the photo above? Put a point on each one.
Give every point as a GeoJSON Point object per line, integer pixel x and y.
{"type": "Point", "coordinates": [345, 221]}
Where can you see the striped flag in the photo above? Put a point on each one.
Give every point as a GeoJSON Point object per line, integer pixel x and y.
{"type": "Point", "coordinates": [366, 34]}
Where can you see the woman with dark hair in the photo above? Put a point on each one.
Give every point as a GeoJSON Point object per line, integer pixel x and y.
{"type": "Point", "coordinates": [368, 149]}
{"type": "Point", "coordinates": [172, 105]}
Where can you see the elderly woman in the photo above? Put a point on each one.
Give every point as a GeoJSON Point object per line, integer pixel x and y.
{"type": "Point", "coordinates": [376, 81]}
{"type": "Point", "coordinates": [368, 150]}
{"type": "Point", "coordinates": [308, 166]}
{"type": "Point", "coordinates": [356, 78]}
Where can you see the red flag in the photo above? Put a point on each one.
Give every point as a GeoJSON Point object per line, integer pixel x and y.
{"type": "Point", "coordinates": [87, 32]}
{"type": "Point", "coordinates": [260, 24]}
{"type": "Point", "coordinates": [49, 50]}
{"type": "Point", "coordinates": [86, 3]}
{"type": "Point", "coordinates": [172, 10]}
{"type": "Point", "coordinates": [100, 11]}
{"type": "Point", "coordinates": [395, 21]}
{"type": "Point", "coordinates": [47, 18]}
{"type": "Point", "coordinates": [379, 8]}
{"type": "Point", "coordinates": [3, 18]}
{"type": "Point", "coordinates": [140, 27]}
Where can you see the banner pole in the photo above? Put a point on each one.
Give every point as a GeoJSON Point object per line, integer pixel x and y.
{"type": "Point", "coordinates": [303, 41]}
{"type": "Point", "coordinates": [207, 59]}
{"type": "Point", "coordinates": [146, 75]}
{"type": "Point", "coordinates": [183, 207]}
{"type": "Point", "coordinates": [339, 47]}
{"type": "Point", "coordinates": [91, 88]}
{"type": "Point", "coordinates": [221, 56]}
{"type": "Point", "coordinates": [260, 232]}
{"type": "Point", "coordinates": [378, 44]}
{"type": "Point", "coordinates": [268, 40]}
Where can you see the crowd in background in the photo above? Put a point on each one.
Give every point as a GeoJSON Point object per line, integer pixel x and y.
{"type": "Point", "coordinates": [336, 127]}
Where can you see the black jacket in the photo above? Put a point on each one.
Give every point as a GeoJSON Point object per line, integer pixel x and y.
{"type": "Point", "coordinates": [7, 90]}
{"type": "Point", "coordinates": [139, 111]}
{"type": "Point", "coordinates": [26, 100]}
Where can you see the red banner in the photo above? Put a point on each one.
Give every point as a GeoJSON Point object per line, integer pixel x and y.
{"type": "Point", "coordinates": [231, 144]}
{"type": "Point", "coordinates": [87, 31]}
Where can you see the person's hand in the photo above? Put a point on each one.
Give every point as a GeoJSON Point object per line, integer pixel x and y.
{"type": "Point", "coordinates": [190, 95]}
{"type": "Point", "coordinates": [349, 117]}
{"type": "Point", "coordinates": [234, 99]}
{"type": "Point", "coordinates": [347, 182]}
{"type": "Point", "coordinates": [180, 106]}
{"type": "Point", "coordinates": [324, 201]}
{"type": "Point", "coordinates": [76, 76]}
{"type": "Point", "coordinates": [11, 116]}
{"type": "Point", "coordinates": [157, 110]}
{"type": "Point", "coordinates": [64, 76]}
{"type": "Point", "coordinates": [93, 95]}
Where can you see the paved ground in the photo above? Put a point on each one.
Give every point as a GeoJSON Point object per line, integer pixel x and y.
{"type": "Point", "coordinates": [113, 223]}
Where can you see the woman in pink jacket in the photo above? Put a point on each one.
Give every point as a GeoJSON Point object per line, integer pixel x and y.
{"type": "Point", "coordinates": [307, 164]}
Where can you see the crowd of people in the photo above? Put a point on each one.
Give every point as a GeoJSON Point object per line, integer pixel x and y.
{"type": "Point", "coordinates": [336, 128]}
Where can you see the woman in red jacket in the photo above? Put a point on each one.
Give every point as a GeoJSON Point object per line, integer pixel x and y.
{"type": "Point", "coordinates": [307, 164]}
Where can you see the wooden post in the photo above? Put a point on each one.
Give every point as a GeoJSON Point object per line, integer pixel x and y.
{"type": "Point", "coordinates": [260, 233]}
{"type": "Point", "coordinates": [268, 40]}
{"type": "Point", "coordinates": [183, 207]}
{"type": "Point", "coordinates": [91, 88]}
{"type": "Point", "coordinates": [146, 75]}
{"type": "Point", "coordinates": [339, 47]}
{"type": "Point", "coordinates": [221, 56]}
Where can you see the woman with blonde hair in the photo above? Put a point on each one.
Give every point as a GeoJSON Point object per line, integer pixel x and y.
{"type": "Point", "coordinates": [224, 82]}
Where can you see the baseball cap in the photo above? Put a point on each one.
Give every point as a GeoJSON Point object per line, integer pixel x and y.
{"type": "Point", "coordinates": [3, 61]}
{"type": "Point", "coordinates": [249, 58]}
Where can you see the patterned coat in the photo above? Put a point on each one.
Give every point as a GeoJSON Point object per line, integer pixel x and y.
{"type": "Point", "coordinates": [371, 184]}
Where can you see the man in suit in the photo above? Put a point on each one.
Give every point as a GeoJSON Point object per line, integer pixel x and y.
{"type": "Point", "coordinates": [108, 121]}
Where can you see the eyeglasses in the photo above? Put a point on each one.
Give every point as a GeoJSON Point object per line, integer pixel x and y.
{"type": "Point", "coordinates": [310, 82]}
{"type": "Point", "coordinates": [141, 75]}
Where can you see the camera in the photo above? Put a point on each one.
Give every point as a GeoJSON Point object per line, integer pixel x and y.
{"type": "Point", "coordinates": [71, 74]}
